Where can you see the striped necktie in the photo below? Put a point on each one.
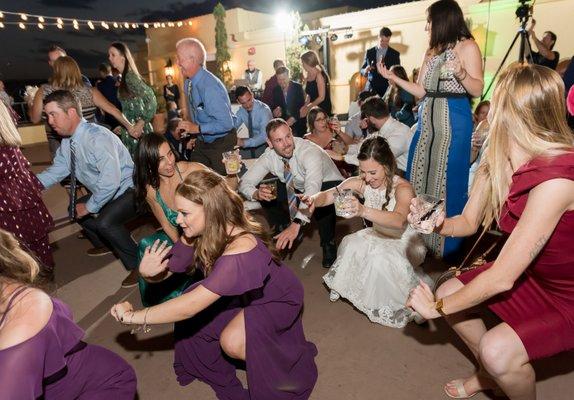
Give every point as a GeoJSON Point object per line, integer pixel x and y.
{"type": "Point", "coordinates": [73, 196]}
{"type": "Point", "coordinates": [290, 186]}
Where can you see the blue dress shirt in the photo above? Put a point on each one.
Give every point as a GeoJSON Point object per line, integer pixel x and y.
{"type": "Point", "coordinates": [209, 107]}
{"type": "Point", "coordinates": [103, 164]}
{"type": "Point", "coordinates": [260, 116]}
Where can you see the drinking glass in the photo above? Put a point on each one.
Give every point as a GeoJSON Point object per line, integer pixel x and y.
{"type": "Point", "coordinates": [232, 162]}
{"type": "Point", "coordinates": [271, 184]}
{"type": "Point", "coordinates": [342, 201]}
{"type": "Point", "coordinates": [428, 209]}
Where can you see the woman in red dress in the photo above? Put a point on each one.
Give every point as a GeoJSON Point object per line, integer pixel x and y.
{"type": "Point", "coordinates": [526, 183]}
{"type": "Point", "coordinates": [22, 211]}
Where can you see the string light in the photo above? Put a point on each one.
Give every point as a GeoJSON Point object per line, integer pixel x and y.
{"type": "Point", "coordinates": [23, 20]}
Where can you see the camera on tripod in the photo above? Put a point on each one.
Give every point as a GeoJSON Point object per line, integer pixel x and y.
{"type": "Point", "coordinates": [524, 11]}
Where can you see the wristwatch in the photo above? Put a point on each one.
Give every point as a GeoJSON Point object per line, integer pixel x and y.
{"type": "Point", "coordinates": [438, 307]}
{"type": "Point", "coordinates": [299, 221]}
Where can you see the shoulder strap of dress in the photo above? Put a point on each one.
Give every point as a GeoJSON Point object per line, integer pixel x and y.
{"type": "Point", "coordinates": [13, 297]}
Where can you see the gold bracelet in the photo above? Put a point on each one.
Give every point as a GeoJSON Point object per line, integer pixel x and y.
{"type": "Point", "coordinates": [438, 306]}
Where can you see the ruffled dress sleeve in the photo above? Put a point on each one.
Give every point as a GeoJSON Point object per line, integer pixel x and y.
{"type": "Point", "coordinates": [25, 365]}
{"type": "Point", "coordinates": [236, 274]}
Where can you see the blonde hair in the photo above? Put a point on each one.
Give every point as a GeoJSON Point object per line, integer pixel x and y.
{"type": "Point", "coordinates": [66, 74]}
{"type": "Point", "coordinates": [528, 111]}
{"type": "Point", "coordinates": [15, 263]}
{"type": "Point", "coordinates": [222, 207]}
{"type": "Point", "coordinates": [9, 135]}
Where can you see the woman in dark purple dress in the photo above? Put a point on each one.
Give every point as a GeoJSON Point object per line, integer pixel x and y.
{"type": "Point", "coordinates": [248, 307]}
{"type": "Point", "coordinates": [42, 354]}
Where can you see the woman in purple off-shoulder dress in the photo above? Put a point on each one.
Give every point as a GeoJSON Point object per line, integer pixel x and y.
{"type": "Point", "coordinates": [42, 354]}
{"type": "Point", "coordinates": [248, 307]}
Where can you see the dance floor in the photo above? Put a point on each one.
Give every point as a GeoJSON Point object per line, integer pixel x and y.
{"type": "Point", "coordinates": [357, 359]}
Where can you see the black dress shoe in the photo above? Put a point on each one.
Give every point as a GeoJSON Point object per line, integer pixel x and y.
{"type": "Point", "coordinates": [329, 254]}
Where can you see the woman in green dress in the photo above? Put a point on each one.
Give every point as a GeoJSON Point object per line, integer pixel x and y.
{"type": "Point", "coordinates": [138, 100]}
{"type": "Point", "coordinates": [156, 176]}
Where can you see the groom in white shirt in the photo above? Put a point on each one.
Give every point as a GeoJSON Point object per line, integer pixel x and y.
{"type": "Point", "coordinates": [301, 167]}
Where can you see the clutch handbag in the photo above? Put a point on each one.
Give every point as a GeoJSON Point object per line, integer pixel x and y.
{"type": "Point", "coordinates": [490, 242]}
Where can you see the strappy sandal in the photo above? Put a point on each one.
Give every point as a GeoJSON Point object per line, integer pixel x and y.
{"type": "Point", "coordinates": [460, 390]}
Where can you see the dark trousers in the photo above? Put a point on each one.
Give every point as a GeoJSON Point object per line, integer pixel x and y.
{"type": "Point", "coordinates": [107, 228]}
{"type": "Point", "coordinates": [277, 213]}
{"type": "Point", "coordinates": [210, 154]}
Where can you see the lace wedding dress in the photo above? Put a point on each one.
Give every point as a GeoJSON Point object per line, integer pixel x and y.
{"type": "Point", "coordinates": [376, 268]}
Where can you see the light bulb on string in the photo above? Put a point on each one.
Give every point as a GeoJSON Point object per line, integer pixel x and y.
{"type": "Point", "coordinates": [1, 14]}
{"type": "Point", "coordinates": [126, 25]}
{"type": "Point", "coordinates": [75, 22]}
{"type": "Point", "coordinates": [60, 26]}
{"type": "Point", "coordinates": [146, 25]}
{"type": "Point", "coordinates": [59, 21]}
{"type": "Point", "coordinates": [116, 25]}
{"type": "Point", "coordinates": [190, 23]}
{"type": "Point", "coordinates": [170, 24]}
{"type": "Point", "coordinates": [91, 25]}
{"type": "Point", "coordinates": [1, 25]}
{"type": "Point", "coordinates": [179, 23]}
{"type": "Point", "coordinates": [163, 24]}
{"type": "Point", "coordinates": [41, 19]}
{"type": "Point", "coordinates": [40, 25]}
{"type": "Point", "coordinates": [105, 25]}
{"type": "Point", "coordinates": [24, 17]}
{"type": "Point", "coordinates": [135, 26]}
{"type": "Point", "coordinates": [22, 26]}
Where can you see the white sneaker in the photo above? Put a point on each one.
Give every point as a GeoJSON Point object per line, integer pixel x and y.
{"type": "Point", "coordinates": [334, 296]}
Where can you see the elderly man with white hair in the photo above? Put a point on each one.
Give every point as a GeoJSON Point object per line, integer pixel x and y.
{"type": "Point", "coordinates": [209, 114]}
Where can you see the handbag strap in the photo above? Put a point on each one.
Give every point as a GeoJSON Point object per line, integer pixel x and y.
{"type": "Point", "coordinates": [463, 263]}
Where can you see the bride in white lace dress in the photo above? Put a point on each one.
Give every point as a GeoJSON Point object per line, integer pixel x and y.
{"type": "Point", "coordinates": [376, 267]}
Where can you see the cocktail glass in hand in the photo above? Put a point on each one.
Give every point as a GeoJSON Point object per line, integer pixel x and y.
{"type": "Point", "coordinates": [428, 209]}
{"type": "Point", "coordinates": [342, 202]}
{"type": "Point", "coordinates": [232, 162]}
{"type": "Point", "coordinates": [271, 184]}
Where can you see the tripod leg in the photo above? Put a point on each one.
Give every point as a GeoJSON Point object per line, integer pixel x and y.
{"type": "Point", "coordinates": [501, 64]}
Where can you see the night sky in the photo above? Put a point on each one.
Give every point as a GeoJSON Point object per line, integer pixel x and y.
{"type": "Point", "coordinates": [24, 53]}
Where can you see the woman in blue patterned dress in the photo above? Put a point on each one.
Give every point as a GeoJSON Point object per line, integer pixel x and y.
{"type": "Point", "coordinates": [451, 73]}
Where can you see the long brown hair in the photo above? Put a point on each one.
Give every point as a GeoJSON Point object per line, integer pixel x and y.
{"type": "Point", "coordinates": [377, 148]}
{"type": "Point", "coordinates": [222, 207]}
{"type": "Point", "coordinates": [129, 65]}
{"type": "Point", "coordinates": [447, 25]}
{"type": "Point", "coordinates": [527, 111]}
{"type": "Point", "coordinates": [394, 92]}
{"type": "Point", "coordinates": [66, 74]}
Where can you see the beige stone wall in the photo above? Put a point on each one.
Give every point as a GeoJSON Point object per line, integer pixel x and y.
{"type": "Point", "coordinates": [407, 21]}
{"type": "Point", "coordinates": [256, 30]}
